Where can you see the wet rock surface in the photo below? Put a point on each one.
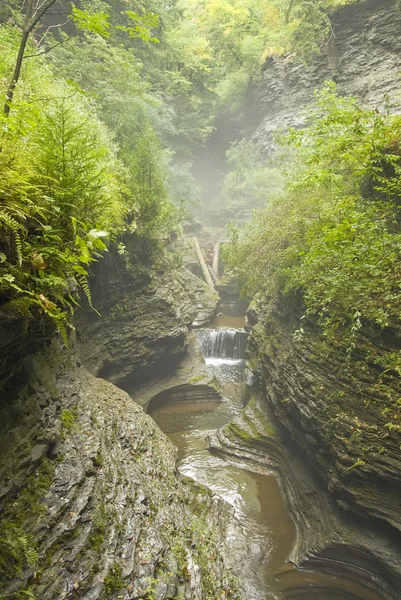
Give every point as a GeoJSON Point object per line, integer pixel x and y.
{"type": "Point", "coordinates": [327, 539]}
{"type": "Point", "coordinates": [142, 324]}
{"type": "Point", "coordinates": [109, 516]}
{"type": "Point", "coordinates": [337, 410]}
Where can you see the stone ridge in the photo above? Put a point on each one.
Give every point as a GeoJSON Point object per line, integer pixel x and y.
{"type": "Point", "coordinates": [327, 539]}
{"type": "Point", "coordinates": [338, 416]}
{"type": "Point", "coordinates": [141, 329]}
{"type": "Point", "coordinates": [363, 57]}
{"type": "Point", "coordinates": [115, 519]}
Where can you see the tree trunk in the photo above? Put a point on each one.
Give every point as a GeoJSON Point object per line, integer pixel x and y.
{"type": "Point", "coordinates": [16, 74]}
{"type": "Point", "coordinates": [27, 29]}
{"type": "Point", "coordinates": [216, 259]}
{"type": "Point", "coordinates": [212, 274]}
{"type": "Point", "coordinates": [202, 264]}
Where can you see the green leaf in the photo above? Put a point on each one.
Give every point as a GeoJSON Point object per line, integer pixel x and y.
{"type": "Point", "coordinates": [94, 23]}
{"type": "Point", "coordinates": [97, 233]}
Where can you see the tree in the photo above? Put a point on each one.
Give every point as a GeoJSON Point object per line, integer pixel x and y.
{"type": "Point", "coordinates": [34, 12]}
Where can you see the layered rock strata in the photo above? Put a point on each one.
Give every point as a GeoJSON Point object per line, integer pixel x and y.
{"type": "Point", "coordinates": [327, 540]}
{"type": "Point", "coordinates": [92, 504]}
{"type": "Point", "coordinates": [363, 57]}
{"type": "Point", "coordinates": [143, 324]}
{"type": "Point", "coordinates": [337, 407]}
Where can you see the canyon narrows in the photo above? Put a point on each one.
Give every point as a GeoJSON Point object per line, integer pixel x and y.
{"type": "Point", "coordinates": [200, 401]}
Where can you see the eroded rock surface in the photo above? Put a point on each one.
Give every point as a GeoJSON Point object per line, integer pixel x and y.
{"type": "Point", "coordinates": [363, 57]}
{"type": "Point", "coordinates": [92, 500]}
{"type": "Point", "coordinates": [336, 409]}
{"type": "Point", "coordinates": [143, 323]}
{"type": "Point", "coordinates": [327, 539]}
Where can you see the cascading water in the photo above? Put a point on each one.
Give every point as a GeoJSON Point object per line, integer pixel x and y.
{"type": "Point", "coordinates": [188, 418]}
{"type": "Point", "coordinates": [222, 344]}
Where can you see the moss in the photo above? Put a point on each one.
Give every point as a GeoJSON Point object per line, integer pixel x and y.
{"type": "Point", "coordinates": [262, 419]}
{"type": "Point", "coordinates": [98, 461]}
{"type": "Point", "coordinates": [215, 384]}
{"type": "Point", "coordinates": [18, 548]}
{"type": "Point", "coordinates": [99, 521]}
{"type": "Point", "coordinates": [113, 580]}
{"type": "Point", "coordinates": [204, 539]}
{"type": "Point", "coordinates": [240, 433]}
{"type": "Point", "coordinates": [196, 379]}
{"type": "Point", "coordinates": [69, 418]}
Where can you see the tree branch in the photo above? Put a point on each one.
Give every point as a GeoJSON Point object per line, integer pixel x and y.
{"type": "Point", "coordinates": [46, 50]}
{"type": "Point", "coordinates": [39, 15]}
{"type": "Point", "coordinates": [28, 27]}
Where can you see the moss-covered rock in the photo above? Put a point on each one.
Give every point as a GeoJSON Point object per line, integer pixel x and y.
{"type": "Point", "coordinates": [92, 504]}
{"type": "Point", "coordinates": [337, 407]}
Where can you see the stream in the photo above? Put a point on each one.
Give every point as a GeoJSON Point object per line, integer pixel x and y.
{"type": "Point", "coordinates": [256, 498]}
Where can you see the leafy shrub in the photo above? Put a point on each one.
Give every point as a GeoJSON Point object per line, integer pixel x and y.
{"type": "Point", "coordinates": [334, 233]}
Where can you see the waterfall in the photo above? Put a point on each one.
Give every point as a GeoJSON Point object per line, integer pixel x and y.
{"type": "Point", "coordinates": [222, 344]}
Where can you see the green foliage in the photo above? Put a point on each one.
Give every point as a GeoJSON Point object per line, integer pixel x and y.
{"type": "Point", "coordinates": [99, 528]}
{"type": "Point", "coordinates": [183, 189]}
{"type": "Point", "coordinates": [236, 37]}
{"type": "Point", "coordinates": [68, 419]}
{"type": "Point", "coordinates": [334, 234]}
{"type": "Point", "coordinates": [86, 157]}
{"type": "Point", "coordinates": [143, 26]}
{"type": "Point", "coordinates": [94, 23]}
{"type": "Point", "coordinates": [17, 545]}
{"type": "Point", "coordinates": [67, 189]}
{"type": "Point", "coordinates": [196, 379]}
{"type": "Point", "coordinates": [249, 181]}
{"type": "Point", "coordinates": [113, 581]}
{"type": "Point", "coordinates": [152, 212]}
{"type": "Point", "coordinates": [16, 551]}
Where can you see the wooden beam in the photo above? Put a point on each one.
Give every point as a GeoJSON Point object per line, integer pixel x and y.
{"type": "Point", "coordinates": [203, 264]}
{"type": "Point", "coordinates": [216, 259]}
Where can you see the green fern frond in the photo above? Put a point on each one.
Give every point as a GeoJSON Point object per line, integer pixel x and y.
{"type": "Point", "coordinates": [16, 228]}
{"type": "Point", "coordinates": [83, 282]}
{"type": "Point", "coordinates": [62, 331]}
{"type": "Point", "coordinates": [16, 551]}
{"type": "Point", "coordinates": [23, 595]}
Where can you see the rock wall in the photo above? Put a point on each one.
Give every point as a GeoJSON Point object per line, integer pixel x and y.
{"type": "Point", "coordinates": [143, 319]}
{"type": "Point", "coordinates": [92, 504]}
{"type": "Point", "coordinates": [366, 561]}
{"type": "Point", "coordinates": [363, 57]}
{"type": "Point", "coordinates": [336, 408]}
{"type": "Point", "coordinates": [341, 413]}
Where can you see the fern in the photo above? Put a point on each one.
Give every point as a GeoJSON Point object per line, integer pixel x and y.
{"type": "Point", "coordinates": [16, 228]}
{"type": "Point", "coordinates": [62, 331]}
{"type": "Point", "coordinates": [23, 595]}
{"type": "Point", "coordinates": [83, 282]}
{"type": "Point", "coordinates": [17, 551]}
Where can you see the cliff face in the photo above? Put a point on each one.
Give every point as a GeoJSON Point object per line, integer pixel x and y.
{"type": "Point", "coordinates": [333, 413]}
{"type": "Point", "coordinates": [92, 505]}
{"type": "Point", "coordinates": [143, 322]}
{"type": "Point", "coordinates": [337, 411]}
{"type": "Point", "coordinates": [328, 539]}
{"type": "Point", "coordinates": [363, 57]}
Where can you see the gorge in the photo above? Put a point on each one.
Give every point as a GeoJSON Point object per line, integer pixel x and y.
{"type": "Point", "coordinates": [190, 443]}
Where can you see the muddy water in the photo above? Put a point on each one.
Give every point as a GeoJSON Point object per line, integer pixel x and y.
{"type": "Point", "coordinates": [230, 315]}
{"type": "Point", "coordinates": [256, 498]}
